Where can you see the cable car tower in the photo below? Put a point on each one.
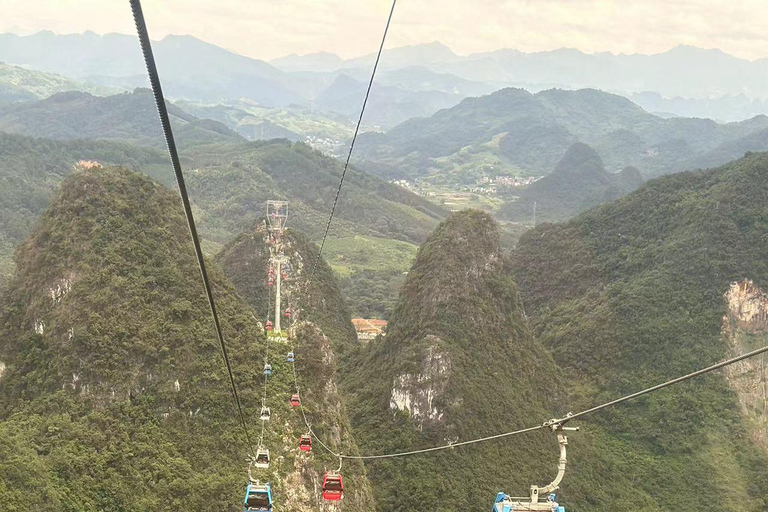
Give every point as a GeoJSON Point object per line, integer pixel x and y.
{"type": "Point", "coordinates": [277, 215]}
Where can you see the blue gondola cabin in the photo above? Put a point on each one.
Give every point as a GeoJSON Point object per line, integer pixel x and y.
{"type": "Point", "coordinates": [258, 497]}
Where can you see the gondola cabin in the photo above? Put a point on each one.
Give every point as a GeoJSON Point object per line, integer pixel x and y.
{"type": "Point", "coordinates": [305, 443]}
{"type": "Point", "coordinates": [295, 400]}
{"type": "Point", "coordinates": [505, 503]}
{"type": "Point", "coordinates": [267, 369]}
{"type": "Point", "coordinates": [287, 313]}
{"type": "Point", "coordinates": [258, 497]}
{"type": "Point", "coordinates": [265, 413]}
{"type": "Point", "coordinates": [290, 357]}
{"type": "Point", "coordinates": [333, 487]}
{"type": "Point", "coordinates": [262, 458]}
{"type": "Point", "coordinates": [269, 325]}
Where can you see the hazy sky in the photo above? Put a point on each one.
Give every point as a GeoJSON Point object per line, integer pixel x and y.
{"type": "Point", "coordinates": [267, 29]}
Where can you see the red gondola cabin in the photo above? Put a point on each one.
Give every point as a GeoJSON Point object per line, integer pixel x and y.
{"type": "Point", "coordinates": [333, 487]}
{"type": "Point", "coordinates": [305, 443]}
{"type": "Point", "coordinates": [295, 400]}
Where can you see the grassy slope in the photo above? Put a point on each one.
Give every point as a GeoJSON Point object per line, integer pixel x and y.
{"type": "Point", "coordinates": [371, 271]}
{"type": "Point", "coordinates": [631, 294]}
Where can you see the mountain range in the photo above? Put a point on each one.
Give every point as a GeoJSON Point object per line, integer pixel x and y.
{"type": "Point", "coordinates": [113, 394]}
{"type": "Point", "coordinates": [714, 84]}
{"type": "Point", "coordinates": [513, 131]}
{"type": "Point", "coordinates": [736, 91]}
{"type": "Point", "coordinates": [195, 70]}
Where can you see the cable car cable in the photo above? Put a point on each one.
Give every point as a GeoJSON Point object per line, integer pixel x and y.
{"type": "Point", "coordinates": [162, 110]}
{"type": "Point", "coordinates": [570, 417]}
{"type": "Point", "coordinates": [333, 211]}
{"type": "Point", "coordinates": [354, 138]}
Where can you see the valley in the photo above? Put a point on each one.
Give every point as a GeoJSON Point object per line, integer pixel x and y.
{"type": "Point", "coordinates": [518, 237]}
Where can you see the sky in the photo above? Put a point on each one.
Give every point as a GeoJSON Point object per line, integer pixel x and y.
{"type": "Point", "coordinates": [266, 29]}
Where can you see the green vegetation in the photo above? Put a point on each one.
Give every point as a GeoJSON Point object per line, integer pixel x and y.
{"type": "Point", "coordinates": [578, 183]}
{"type": "Point", "coordinates": [323, 334]}
{"type": "Point", "coordinates": [22, 84]}
{"type": "Point", "coordinates": [127, 117]}
{"type": "Point", "coordinates": [458, 347]}
{"type": "Point", "coordinates": [525, 134]}
{"type": "Point", "coordinates": [257, 122]}
{"type": "Point", "coordinates": [231, 184]}
{"type": "Point", "coordinates": [630, 294]}
{"type": "Point", "coordinates": [371, 272]}
{"type": "Point", "coordinates": [115, 396]}
{"type": "Point", "coordinates": [32, 169]}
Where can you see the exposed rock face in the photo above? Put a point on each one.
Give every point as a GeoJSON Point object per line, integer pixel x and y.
{"type": "Point", "coordinates": [415, 393]}
{"type": "Point", "coordinates": [60, 288]}
{"type": "Point", "coordinates": [2, 368]}
{"type": "Point", "coordinates": [745, 327]}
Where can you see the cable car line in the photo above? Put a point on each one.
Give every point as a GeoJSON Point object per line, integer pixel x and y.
{"type": "Point", "coordinates": [159, 98]}
{"type": "Point", "coordinates": [354, 138]}
{"type": "Point", "coordinates": [569, 417]}
{"type": "Point", "coordinates": [162, 110]}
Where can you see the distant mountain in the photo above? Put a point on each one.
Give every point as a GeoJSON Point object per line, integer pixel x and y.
{"type": "Point", "coordinates": [626, 74]}
{"type": "Point", "coordinates": [21, 84]}
{"type": "Point", "coordinates": [646, 288]}
{"type": "Point", "coordinates": [317, 62]}
{"type": "Point", "coordinates": [190, 68]}
{"type": "Point", "coordinates": [419, 55]}
{"type": "Point", "coordinates": [735, 92]}
{"type": "Point", "coordinates": [578, 182]}
{"type": "Point", "coordinates": [128, 117]}
{"type": "Point", "coordinates": [387, 105]}
{"type": "Point", "coordinates": [524, 132]}
{"type": "Point", "coordinates": [727, 108]}
{"type": "Point", "coordinates": [420, 78]}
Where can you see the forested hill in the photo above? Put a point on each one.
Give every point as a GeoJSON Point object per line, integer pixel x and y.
{"type": "Point", "coordinates": [322, 337]}
{"type": "Point", "coordinates": [114, 395]}
{"type": "Point", "coordinates": [23, 84]}
{"type": "Point", "coordinates": [578, 182]}
{"type": "Point", "coordinates": [32, 169]}
{"type": "Point", "coordinates": [633, 293]}
{"type": "Point", "coordinates": [127, 117]}
{"type": "Point", "coordinates": [458, 362]}
{"type": "Point", "coordinates": [231, 184]}
{"type": "Point", "coordinates": [516, 131]}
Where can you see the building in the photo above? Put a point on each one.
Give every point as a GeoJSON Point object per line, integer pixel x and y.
{"type": "Point", "coordinates": [369, 328]}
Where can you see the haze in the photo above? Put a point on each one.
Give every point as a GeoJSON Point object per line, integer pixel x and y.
{"type": "Point", "coordinates": [269, 29]}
